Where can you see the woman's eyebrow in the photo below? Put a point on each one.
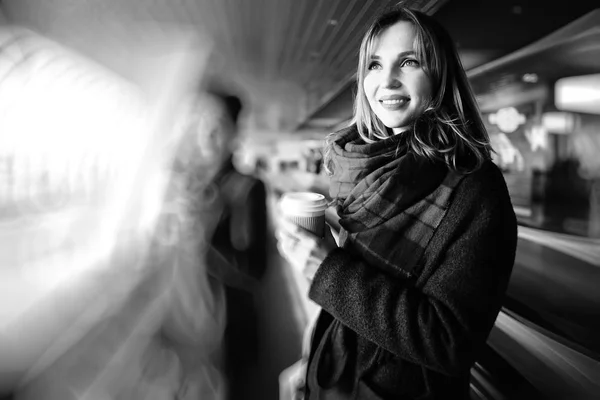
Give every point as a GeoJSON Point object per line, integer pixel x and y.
{"type": "Point", "coordinates": [400, 55]}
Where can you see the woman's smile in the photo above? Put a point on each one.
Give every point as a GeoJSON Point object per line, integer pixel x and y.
{"type": "Point", "coordinates": [394, 102]}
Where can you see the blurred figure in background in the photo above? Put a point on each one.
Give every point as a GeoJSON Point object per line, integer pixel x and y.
{"type": "Point", "coordinates": [213, 327]}
{"type": "Point", "coordinates": [237, 257]}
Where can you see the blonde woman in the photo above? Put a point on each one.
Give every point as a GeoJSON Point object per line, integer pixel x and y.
{"type": "Point", "coordinates": [428, 234]}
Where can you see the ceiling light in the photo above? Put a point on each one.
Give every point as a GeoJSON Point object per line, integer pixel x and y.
{"type": "Point", "coordinates": [578, 94]}
{"type": "Point", "coordinates": [508, 119]}
{"type": "Point", "coordinates": [530, 78]}
{"type": "Point", "coordinates": [560, 122]}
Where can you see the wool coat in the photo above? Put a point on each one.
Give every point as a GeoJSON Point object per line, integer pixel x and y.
{"type": "Point", "coordinates": [382, 337]}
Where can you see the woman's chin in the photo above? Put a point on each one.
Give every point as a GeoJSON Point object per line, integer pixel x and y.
{"type": "Point", "coordinates": [393, 121]}
{"type": "Point", "coordinates": [397, 126]}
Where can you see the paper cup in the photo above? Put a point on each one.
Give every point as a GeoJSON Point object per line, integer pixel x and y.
{"type": "Point", "coordinates": [305, 209]}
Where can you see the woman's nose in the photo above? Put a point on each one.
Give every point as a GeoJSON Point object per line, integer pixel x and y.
{"type": "Point", "coordinates": [391, 79]}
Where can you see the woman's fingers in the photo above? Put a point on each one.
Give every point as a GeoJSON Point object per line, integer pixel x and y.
{"type": "Point", "coordinates": [288, 241]}
{"type": "Point", "coordinates": [304, 237]}
{"type": "Point", "coordinates": [285, 239]}
{"type": "Point", "coordinates": [299, 247]}
{"type": "Point", "coordinates": [311, 267]}
{"type": "Point", "coordinates": [283, 249]}
{"type": "Point", "coordinates": [296, 230]}
{"type": "Point", "coordinates": [280, 234]}
{"type": "Point", "coordinates": [288, 226]}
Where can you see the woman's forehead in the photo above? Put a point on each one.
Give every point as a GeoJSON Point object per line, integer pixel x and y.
{"type": "Point", "coordinates": [206, 110]}
{"type": "Point", "coordinates": [212, 105]}
{"type": "Point", "coordinates": [399, 37]}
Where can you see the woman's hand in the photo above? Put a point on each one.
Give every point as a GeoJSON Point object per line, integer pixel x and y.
{"type": "Point", "coordinates": [293, 381]}
{"type": "Point", "coordinates": [303, 249]}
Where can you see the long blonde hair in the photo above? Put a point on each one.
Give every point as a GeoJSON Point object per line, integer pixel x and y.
{"type": "Point", "coordinates": [450, 129]}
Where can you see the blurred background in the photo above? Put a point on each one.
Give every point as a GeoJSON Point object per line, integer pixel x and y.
{"type": "Point", "coordinates": [88, 89]}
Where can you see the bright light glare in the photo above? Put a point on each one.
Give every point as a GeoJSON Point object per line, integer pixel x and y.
{"type": "Point", "coordinates": [72, 131]}
{"type": "Point", "coordinates": [85, 157]}
{"type": "Point", "coordinates": [578, 93]}
{"type": "Point", "coordinates": [559, 122]}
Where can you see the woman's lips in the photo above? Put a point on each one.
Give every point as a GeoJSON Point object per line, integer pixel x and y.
{"type": "Point", "coordinates": [393, 102]}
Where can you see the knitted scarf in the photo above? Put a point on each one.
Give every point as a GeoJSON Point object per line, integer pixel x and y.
{"type": "Point", "coordinates": [389, 200]}
{"type": "Point", "coordinates": [390, 203]}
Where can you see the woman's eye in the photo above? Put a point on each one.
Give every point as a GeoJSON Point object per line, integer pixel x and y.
{"type": "Point", "coordinates": [410, 63]}
{"type": "Point", "coordinates": [374, 65]}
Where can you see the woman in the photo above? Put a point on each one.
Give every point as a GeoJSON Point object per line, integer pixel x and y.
{"type": "Point", "coordinates": [237, 257]}
{"type": "Point", "coordinates": [428, 232]}
{"type": "Point", "coordinates": [212, 236]}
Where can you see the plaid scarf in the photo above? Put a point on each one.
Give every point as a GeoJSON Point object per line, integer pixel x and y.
{"type": "Point", "coordinates": [389, 200]}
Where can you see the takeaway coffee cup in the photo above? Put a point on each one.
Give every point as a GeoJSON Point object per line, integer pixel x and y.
{"type": "Point", "coordinates": [305, 209]}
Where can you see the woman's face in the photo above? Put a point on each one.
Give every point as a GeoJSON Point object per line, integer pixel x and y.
{"type": "Point", "coordinates": [395, 83]}
{"type": "Point", "coordinates": [209, 129]}
{"type": "Point", "coordinates": [213, 134]}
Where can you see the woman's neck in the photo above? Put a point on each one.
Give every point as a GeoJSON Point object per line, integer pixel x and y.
{"type": "Point", "coordinates": [399, 131]}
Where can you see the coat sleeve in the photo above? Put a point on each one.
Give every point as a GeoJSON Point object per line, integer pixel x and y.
{"type": "Point", "coordinates": [438, 323]}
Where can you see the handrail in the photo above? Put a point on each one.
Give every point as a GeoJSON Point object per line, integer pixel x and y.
{"type": "Point", "coordinates": [546, 331]}
{"type": "Point", "coordinates": [584, 249]}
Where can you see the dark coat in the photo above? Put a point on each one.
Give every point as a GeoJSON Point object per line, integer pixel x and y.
{"type": "Point", "coordinates": [239, 240]}
{"type": "Point", "coordinates": [401, 339]}
{"type": "Point", "coordinates": [237, 259]}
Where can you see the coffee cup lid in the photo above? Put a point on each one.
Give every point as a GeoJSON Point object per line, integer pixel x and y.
{"type": "Point", "coordinates": [303, 201]}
